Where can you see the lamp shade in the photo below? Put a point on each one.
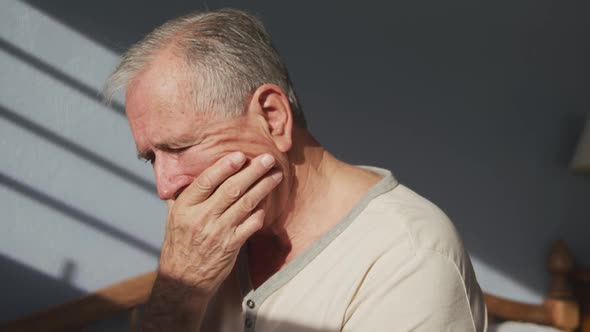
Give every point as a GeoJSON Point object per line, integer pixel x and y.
{"type": "Point", "coordinates": [581, 161]}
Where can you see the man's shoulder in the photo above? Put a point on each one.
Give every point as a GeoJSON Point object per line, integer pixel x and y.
{"type": "Point", "coordinates": [415, 220]}
{"type": "Point", "coordinates": [416, 236]}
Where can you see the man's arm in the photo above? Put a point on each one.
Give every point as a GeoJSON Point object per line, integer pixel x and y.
{"type": "Point", "coordinates": [171, 307]}
{"type": "Point", "coordinates": [205, 228]}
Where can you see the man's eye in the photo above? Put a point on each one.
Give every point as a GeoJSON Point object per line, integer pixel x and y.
{"type": "Point", "coordinates": [180, 150]}
{"type": "Point", "coordinates": [147, 158]}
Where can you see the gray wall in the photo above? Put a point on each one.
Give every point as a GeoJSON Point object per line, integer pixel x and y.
{"type": "Point", "coordinates": [475, 106]}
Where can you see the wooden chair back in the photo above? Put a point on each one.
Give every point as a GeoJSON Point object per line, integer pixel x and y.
{"type": "Point", "coordinates": [560, 309]}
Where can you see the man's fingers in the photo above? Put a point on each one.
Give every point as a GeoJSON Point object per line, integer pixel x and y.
{"type": "Point", "coordinates": [207, 182]}
{"type": "Point", "coordinates": [233, 188]}
{"type": "Point", "coordinates": [250, 200]}
{"type": "Point", "coordinates": [250, 226]}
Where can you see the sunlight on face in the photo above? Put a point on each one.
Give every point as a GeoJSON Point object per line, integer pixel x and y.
{"type": "Point", "coordinates": [180, 141]}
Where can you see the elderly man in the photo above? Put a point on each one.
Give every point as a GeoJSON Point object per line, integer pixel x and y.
{"type": "Point", "coordinates": [266, 230]}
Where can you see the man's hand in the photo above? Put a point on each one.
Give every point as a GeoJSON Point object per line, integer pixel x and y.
{"type": "Point", "coordinates": [205, 228]}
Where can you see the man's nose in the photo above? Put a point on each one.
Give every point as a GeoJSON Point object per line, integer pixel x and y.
{"type": "Point", "coordinates": [170, 179]}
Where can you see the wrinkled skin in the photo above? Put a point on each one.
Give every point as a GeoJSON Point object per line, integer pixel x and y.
{"type": "Point", "coordinates": [217, 175]}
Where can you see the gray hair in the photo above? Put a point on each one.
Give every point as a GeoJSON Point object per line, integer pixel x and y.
{"type": "Point", "coordinates": [229, 53]}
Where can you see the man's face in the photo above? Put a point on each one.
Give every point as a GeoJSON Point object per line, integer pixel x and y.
{"type": "Point", "coordinates": [180, 141]}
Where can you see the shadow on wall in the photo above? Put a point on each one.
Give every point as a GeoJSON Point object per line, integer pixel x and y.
{"type": "Point", "coordinates": [26, 289]}
{"type": "Point", "coordinates": [76, 149]}
{"type": "Point", "coordinates": [60, 76]}
{"type": "Point", "coordinates": [56, 139]}
{"type": "Point", "coordinates": [76, 214]}
{"type": "Point", "coordinates": [113, 24]}
{"type": "Point", "coordinates": [38, 291]}
{"type": "Point", "coordinates": [80, 151]}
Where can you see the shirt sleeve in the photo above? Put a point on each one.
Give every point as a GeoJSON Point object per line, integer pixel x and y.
{"type": "Point", "coordinates": [427, 293]}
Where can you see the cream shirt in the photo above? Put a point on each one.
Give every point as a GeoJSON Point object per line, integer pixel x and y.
{"type": "Point", "coordinates": [394, 263]}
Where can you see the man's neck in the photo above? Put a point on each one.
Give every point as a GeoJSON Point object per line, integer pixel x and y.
{"type": "Point", "coordinates": [323, 190]}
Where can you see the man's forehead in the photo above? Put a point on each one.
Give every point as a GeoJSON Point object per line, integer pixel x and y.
{"type": "Point", "coordinates": [158, 111]}
{"type": "Point", "coordinates": [161, 108]}
{"type": "Point", "coordinates": [165, 78]}
{"type": "Point", "coordinates": [148, 93]}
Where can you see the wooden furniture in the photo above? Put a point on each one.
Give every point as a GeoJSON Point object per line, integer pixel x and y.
{"type": "Point", "coordinates": [582, 293]}
{"type": "Point", "coordinates": [561, 308]}
{"type": "Point", "coordinates": [83, 311]}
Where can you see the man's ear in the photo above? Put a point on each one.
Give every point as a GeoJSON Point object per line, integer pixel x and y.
{"type": "Point", "coordinates": [273, 104]}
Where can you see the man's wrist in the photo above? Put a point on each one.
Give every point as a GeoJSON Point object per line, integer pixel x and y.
{"type": "Point", "coordinates": [173, 303]}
